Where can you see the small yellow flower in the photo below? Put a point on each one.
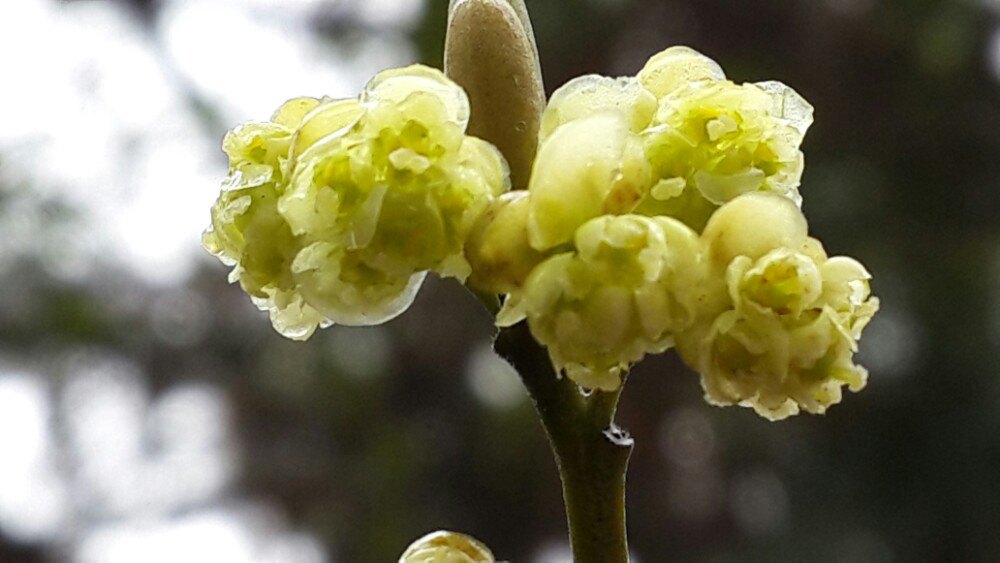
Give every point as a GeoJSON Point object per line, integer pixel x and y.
{"type": "Point", "coordinates": [629, 284]}
{"type": "Point", "coordinates": [713, 140]}
{"type": "Point", "coordinates": [787, 330]}
{"type": "Point", "coordinates": [447, 547]}
{"type": "Point", "coordinates": [349, 203]}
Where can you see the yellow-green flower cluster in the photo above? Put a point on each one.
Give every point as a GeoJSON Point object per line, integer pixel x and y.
{"type": "Point", "coordinates": [334, 210]}
{"type": "Point", "coordinates": [784, 336]}
{"type": "Point", "coordinates": [629, 284]}
{"type": "Point", "coordinates": [447, 547]}
{"type": "Point", "coordinates": [685, 140]}
{"type": "Point", "coordinates": [663, 209]}
{"type": "Point", "coordinates": [714, 140]}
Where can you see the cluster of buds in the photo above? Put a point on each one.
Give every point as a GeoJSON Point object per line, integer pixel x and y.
{"type": "Point", "coordinates": [662, 210]}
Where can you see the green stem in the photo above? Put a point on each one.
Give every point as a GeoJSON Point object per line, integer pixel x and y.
{"type": "Point", "coordinates": [591, 452]}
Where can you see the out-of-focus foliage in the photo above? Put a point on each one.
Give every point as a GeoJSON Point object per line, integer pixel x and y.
{"type": "Point", "coordinates": [367, 438]}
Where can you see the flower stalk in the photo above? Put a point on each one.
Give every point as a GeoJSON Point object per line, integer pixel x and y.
{"type": "Point", "coordinates": [490, 51]}
{"type": "Point", "coordinates": [591, 452]}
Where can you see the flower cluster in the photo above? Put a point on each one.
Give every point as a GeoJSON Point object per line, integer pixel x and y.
{"type": "Point", "coordinates": [334, 210]}
{"type": "Point", "coordinates": [628, 286]}
{"type": "Point", "coordinates": [663, 209]}
{"type": "Point", "coordinates": [784, 335]}
{"type": "Point", "coordinates": [711, 141]}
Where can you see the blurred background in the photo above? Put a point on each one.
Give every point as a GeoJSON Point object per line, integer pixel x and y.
{"type": "Point", "coordinates": [148, 412]}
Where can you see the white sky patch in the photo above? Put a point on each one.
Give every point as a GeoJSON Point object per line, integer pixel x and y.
{"type": "Point", "coordinates": [239, 534]}
{"type": "Point", "coordinates": [160, 230]}
{"type": "Point", "coordinates": [244, 65]}
{"type": "Point", "coordinates": [247, 64]}
{"type": "Point", "coordinates": [133, 456]}
{"type": "Point", "coordinates": [102, 119]}
{"type": "Point", "coordinates": [94, 120]}
{"type": "Point", "coordinates": [33, 501]}
{"type": "Point", "coordinates": [400, 13]}
{"type": "Point", "coordinates": [136, 477]}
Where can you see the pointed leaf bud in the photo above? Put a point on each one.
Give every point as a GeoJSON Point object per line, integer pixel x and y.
{"type": "Point", "coordinates": [490, 51]}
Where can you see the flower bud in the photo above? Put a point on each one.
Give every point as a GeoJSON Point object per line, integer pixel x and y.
{"type": "Point", "coordinates": [447, 547]}
{"type": "Point", "coordinates": [753, 225]}
{"type": "Point", "coordinates": [783, 282]}
{"type": "Point", "coordinates": [587, 95]}
{"type": "Point", "coordinates": [490, 51]}
{"type": "Point", "coordinates": [677, 67]}
{"type": "Point", "coordinates": [587, 168]}
{"type": "Point", "coordinates": [498, 248]}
